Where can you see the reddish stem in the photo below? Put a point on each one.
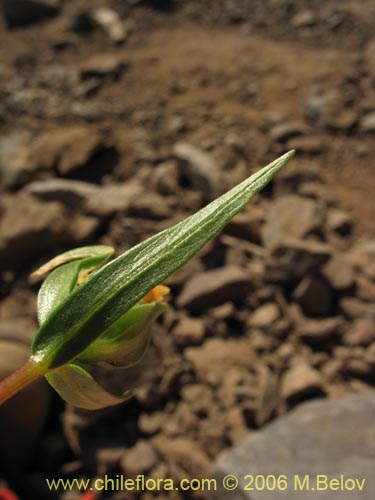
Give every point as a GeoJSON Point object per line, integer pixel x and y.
{"type": "Point", "coordinates": [19, 379]}
{"type": "Point", "coordinates": [6, 494]}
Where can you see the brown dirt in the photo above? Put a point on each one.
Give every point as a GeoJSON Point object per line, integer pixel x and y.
{"type": "Point", "coordinates": [221, 76]}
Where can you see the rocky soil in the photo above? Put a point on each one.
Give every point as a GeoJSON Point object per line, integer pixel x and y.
{"type": "Point", "coordinates": [119, 118]}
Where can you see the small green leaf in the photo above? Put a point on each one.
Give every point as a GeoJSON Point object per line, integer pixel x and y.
{"type": "Point", "coordinates": [66, 269]}
{"type": "Point", "coordinates": [77, 387]}
{"type": "Point", "coordinates": [125, 342]}
{"type": "Point", "coordinates": [108, 293]}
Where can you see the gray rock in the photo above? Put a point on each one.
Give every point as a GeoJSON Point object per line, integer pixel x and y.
{"type": "Point", "coordinates": [291, 216]}
{"type": "Point", "coordinates": [320, 437]}
{"type": "Point", "coordinates": [23, 12]}
{"type": "Point", "coordinates": [212, 288]}
{"type": "Point", "coordinates": [199, 167]}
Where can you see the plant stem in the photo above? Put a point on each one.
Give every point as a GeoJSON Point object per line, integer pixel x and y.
{"type": "Point", "coordinates": [22, 377]}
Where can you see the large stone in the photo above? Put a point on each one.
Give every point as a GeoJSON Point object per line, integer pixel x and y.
{"type": "Point", "coordinates": [23, 12]}
{"type": "Point", "coordinates": [291, 216]}
{"type": "Point", "coordinates": [331, 438]}
{"type": "Point", "coordinates": [212, 288]}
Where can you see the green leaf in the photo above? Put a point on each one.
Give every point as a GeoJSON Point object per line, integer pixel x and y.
{"type": "Point", "coordinates": [77, 387]}
{"type": "Point", "coordinates": [66, 269]}
{"type": "Point", "coordinates": [107, 294]}
{"type": "Point", "coordinates": [125, 342]}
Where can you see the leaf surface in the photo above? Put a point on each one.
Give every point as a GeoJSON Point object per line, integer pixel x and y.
{"type": "Point", "coordinates": [108, 293]}
{"type": "Point", "coordinates": [66, 269]}
{"type": "Point", "coordinates": [125, 342]}
{"type": "Point", "coordinates": [76, 386]}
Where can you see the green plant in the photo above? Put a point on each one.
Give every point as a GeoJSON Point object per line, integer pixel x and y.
{"type": "Point", "coordinates": [102, 317]}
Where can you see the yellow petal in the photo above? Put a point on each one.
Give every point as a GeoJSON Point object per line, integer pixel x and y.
{"type": "Point", "coordinates": [157, 294]}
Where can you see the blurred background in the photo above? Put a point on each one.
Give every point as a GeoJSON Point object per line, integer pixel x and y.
{"type": "Point", "coordinates": [119, 118]}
